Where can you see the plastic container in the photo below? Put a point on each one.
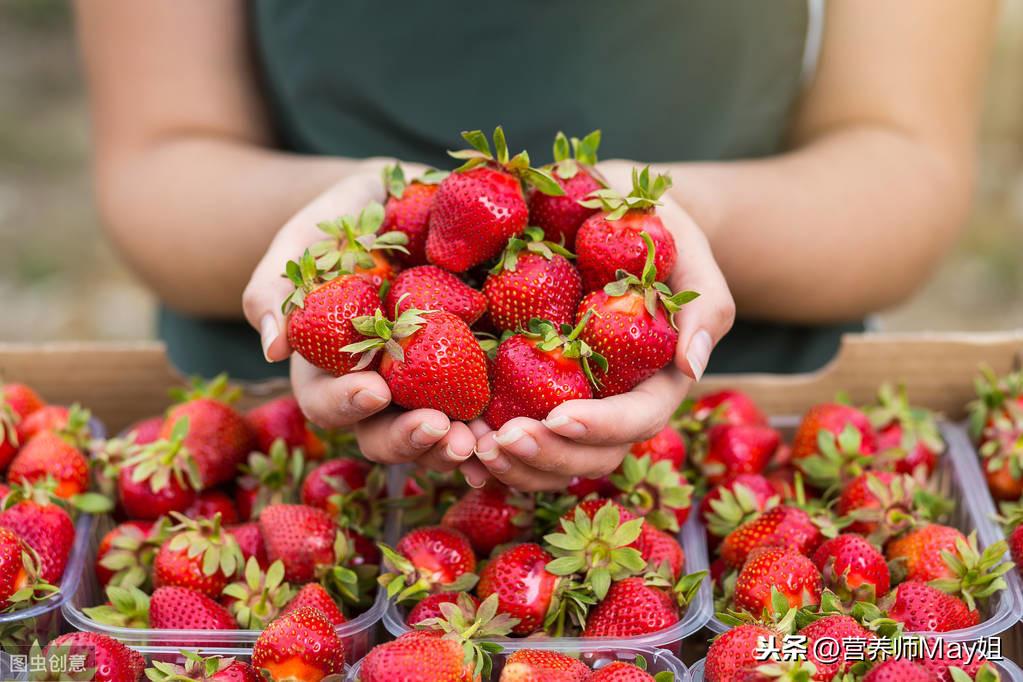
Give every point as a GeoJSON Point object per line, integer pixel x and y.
{"type": "Point", "coordinates": [958, 477]}
{"type": "Point", "coordinates": [700, 609]}
{"type": "Point", "coordinates": [1010, 671]}
{"type": "Point", "coordinates": [593, 652]}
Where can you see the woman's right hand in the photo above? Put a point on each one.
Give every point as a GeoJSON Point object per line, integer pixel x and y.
{"type": "Point", "coordinates": [358, 400]}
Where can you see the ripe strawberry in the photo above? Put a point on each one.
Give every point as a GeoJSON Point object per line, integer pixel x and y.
{"type": "Point", "coordinates": [489, 517]}
{"type": "Point", "coordinates": [728, 407]}
{"type": "Point", "coordinates": [179, 608]}
{"type": "Point", "coordinates": [611, 240]}
{"type": "Point", "coordinates": [209, 503]}
{"type": "Point", "coordinates": [782, 526]}
{"type": "Point", "coordinates": [619, 671]}
{"type": "Point", "coordinates": [633, 326]}
{"type": "Point", "coordinates": [533, 279]}
{"type": "Point", "coordinates": [416, 656]}
{"type": "Point", "coordinates": [302, 537]}
{"type": "Point", "coordinates": [430, 607]}
{"type": "Point", "coordinates": [538, 665]}
{"type": "Point", "coordinates": [46, 418]}
{"type": "Point", "coordinates": [408, 211]}
{"type": "Point", "coordinates": [524, 587]}
{"type": "Point", "coordinates": [852, 568]}
{"type": "Point", "coordinates": [882, 504]}
{"type": "Point", "coordinates": [199, 669]}
{"type": "Point", "coordinates": [922, 608]}
{"type": "Point", "coordinates": [538, 369]}
{"type": "Point", "coordinates": [427, 287]}
{"type": "Point", "coordinates": [655, 491]}
{"type": "Point", "coordinates": [125, 554]}
{"type": "Point", "coordinates": [108, 659]}
{"type": "Point", "coordinates": [480, 206]}
{"type": "Point", "coordinates": [199, 555]}
{"type": "Point", "coordinates": [939, 662]}
{"type": "Point", "coordinates": [314, 595]}
{"type": "Point", "coordinates": [917, 554]}
{"type": "Point", "coordinates": [632, 608]}
{"type": "Point", "coordinates": [661, 551]}
{"type": "Point", "coordinates": [432, 558]}
{"type": "Point", "coordinates": [836, 628]}
{"type": "Point", "coordinates": [356, 245]}
{"type": "Point", "coordinates": [271, 478]}
{"type": "Point", "coordinates": [832, 441]}
{"type": "Point", "coordinates": [739, 499]}
{"type": "Point", "coordinates": [258, 596]}
{"type": "Point", "coordinates": [17, 402]}
{"type": "Point", "coordinates": [320, 312]}
{"type": "Point", "coordinates": [735, 651]}
{"type": "Point", "coordinates": [996, 425]}
{"type": "Point", "coordinates": [898, 670]}
{"type": "Point", "coordinates": [250, 542]}
{"type": "Point", "coordinates": [217, 436]}
{"type": "Point", "coordinates": [560, 216]}
{"type": "Point", "coordinates": [777, 570]}
{"type": "Point", "coordinates": [19, 571]}
{"type": "Point", "coordinates": [57, 455]}
{"type": "Point", "coordinates": [432, 360]}
{"type": "Point", "coordinates": [328, 485]}
{"type": "Point", "coordinates": [666, 444]}
{"type": "Point", "coordinates": [147, 430]}
{"type": "Point", "coordinates": [282, 418]}
{"type": "Point", "coordinates": [301, 646]}
{"type": "Point", "coordinates": [737, 449]}
{"type": "Point", "coordinates": [912, 430]}
{"type": "Point", "coordinates": [21, 399]}
{"type": "Point", "coordinates": [42, 525]}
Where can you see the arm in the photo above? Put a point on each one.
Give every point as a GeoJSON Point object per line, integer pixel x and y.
{"type": "Point", "coordinates": [879, 177]}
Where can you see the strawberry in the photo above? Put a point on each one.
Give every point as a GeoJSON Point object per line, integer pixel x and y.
{"type": "Point", "coordinates": [996, 425]}
{"type": "Point", "coordinates": [56, 455]}
{"type": "Point", "coordinates": [416, 656]}
{"type": "Point", "coordinates": [489, 517]}
{"type": "Point", "coordinates": [739, 499]}
{"type": "Point", "coordinates": [250, 542]}
{"type": "Point", "coordinates": [611, 240]}
{"type": "Point", "coordinates": [17, 402]}
{"type": "Point", "coordinates": [782, 526]}
{"type": "Point", "coordinates": [314, 594]}
{"type": "Point", "coordinates": [126, 607]}
{"type": "Point", "coordinates": [480, 206]}
{"type": "Point", "coordinates": [432, 360]}
{"type": "Point", "coordinates": [922, 608]}
{"type": "Point", "coordinates": [737, 449]}
{"type": "Point", "coordinates": [833, 443]}
{"type": "Point", "coordinates": [561, 216]}
{"type": "Point", "coordinates": [46, 418]}
{"type": "Point", "coordinates": [259, 596]}
{"type": "Point", "coordinates": [538, 665]}
{"type": "Point", "coordinates": [301, 646]}
{"type": "Point", "coordinates": [335, 478]}
{"type": "Point", "coordinates": [917, 555]}
{"type": "Point", "coordinates": [940, 662]}
{"type": "Point", "coordinates": [838, 660]}
{"type": "Point", "coordinates": [633, 326]}
{"type": "Point", "coordinates": [217, 436]}
{"type": "Point", "coordinates": [430, 607]}
{"type": "Point", "coordinates": [538, 369]}
{"type": "Point", "coordinates": [533, 278]}
{"type": "Point", "coordinates": [432, 558]}
{"type": "Point", "coordinates": [199, 555]}
{"type": "Point", "coordinates": [770, 571]}
{"type": "Point", "coordinates": [728, 407]}
{"type": "Point", "coordinates": [912, 430]}
{"type": "Point", "coordinates": [666, 444]}
{"type": "Point", "coordinates": [408, 211]}
{"type": "Point", "coordinates": [282, 418]}
{"type": "Point", "coordinates": [179, 608]}
{"type": "Point", "coordinates": [898, 670]}
{"type": "Point", "coordinates": [852, 568]}
{"type": "Point", "coordinates": [883, 504]}
{"type": "Point", "coordinates": [655, 491]}
{"type": "Point", "coordinates": [735, 651]}
{"type": "Point", "coordinates": [661, 551]}
{"type": "Point", "coordinates": [427, 287]}
{"type": "Point", "coordinates": [19, 572]}
{"type": "Point", "coordinates": [320, 312]}
{"type": "Point", "coordinates": [620, 671]}
{"type": "Point", "coordinates": [356, 245]}
{"type": "Point", "coordinates": [147, 430]}
{"type": "Point", "coordinates": [271, 478]}
{"type": "Point", "coordinates": [105, 659]}
{"type": "Point", "coordinates": [302, 537]}
{"type": "Point", "coordinates": [524, 587]}
{"type": "Point", "coordinates": [209, 503]}
{"type": "Point", "coordinates": [198, 669]}
{"type": "Point", "coordinates": [42, 525]}
{"type": "Point", "coordinates": [124, 556]}
{"type": "Point", "coordinates": [638, 606]}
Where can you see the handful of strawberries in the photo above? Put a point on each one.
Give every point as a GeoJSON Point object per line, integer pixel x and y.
{"type": "Point", "coordinates": [564, 272]}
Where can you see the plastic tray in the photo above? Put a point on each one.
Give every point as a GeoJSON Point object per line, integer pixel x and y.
{"type": "Point", "coordinates": [959, 478]}
{"type": "Point", "coordinates": [589, 650]}
{"type": "Point", "coordinates": [700, 609]}
{"type": "Point", "coordinates": [1010, 671]}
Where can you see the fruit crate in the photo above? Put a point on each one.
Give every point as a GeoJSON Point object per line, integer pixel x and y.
{"type": "Point", "coordinates": [958, 477]}
{"type": "Point", "coordinates": [700, 609]}
{"type": "Point", "coordinates": [591, 651]}
{"type": "Point", "coordinates": [1009, 670]}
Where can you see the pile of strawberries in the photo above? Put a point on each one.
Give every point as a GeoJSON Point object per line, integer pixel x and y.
{"type": "Point", "coordinates": [565, 273]}
{"type": "Point", "coordinates": [838, 535]}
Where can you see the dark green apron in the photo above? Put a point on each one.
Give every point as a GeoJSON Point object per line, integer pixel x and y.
{"type": "Point", "coordinates": [666, 80]}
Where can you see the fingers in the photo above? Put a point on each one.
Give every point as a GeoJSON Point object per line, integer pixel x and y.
{"type": "Point", "coordinates": [476, 475]}
{"type": "Point", "coordinates": [621, 419]}
{"type": "Point", "coordinates": [398, 437]}
{"type": "Point", "coordinates": [456, 447]}
{"type": "Point", "coordinates": [337, 402]}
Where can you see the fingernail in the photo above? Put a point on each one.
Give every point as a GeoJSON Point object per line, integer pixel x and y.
{"type": "Point", "coordinates": [486, 455]}
{"type": "Point", "coordinates": [474, 481]}
{"type": "Point", "coordinates": [268, 334]}
{"type": "Point", "coordinates": [454, 456]}
{"type": "Point", "coordinates": [499, 464]}
{"type": "Point", "coordinates": [368, 400]}
{"type": "Point", "coordinates": [698, 353]}
{"type": "Point", "coordinates": [525, 446]}
{"type": "Point", "coordinates": [427, 434]}
{"type": "Point", "coordinates": [565, 426]}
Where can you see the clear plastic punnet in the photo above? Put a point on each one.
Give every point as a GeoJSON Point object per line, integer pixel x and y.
{"type": "Point", "coordinates": [1010, 671]}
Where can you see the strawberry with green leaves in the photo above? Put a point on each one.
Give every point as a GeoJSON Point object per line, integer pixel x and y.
{"type": "Point", "coordinates": [316, 596]}
{"type": "Point", "coordinates": [911, 430]}
{"type": "Point", "coordinates": [781, 526]}
{"type": "Point", "coordinates": [309, 543]}
{"type": "Point", "coordinates": [301, 646]}
{"type": "Point", "coordinates": [481, 205]}
{"type": "Point", "coordinates": [126, 607]}
{"type": "Point", "coordinates": [773, 571]}
{"type": "Point", "coordinates": [282, 418]}
{"type": "Point", "coordinates": [639, 606]}
{"type": "Point", "coordinates": [408, 210]}
{"type": "Point", "coordinates": [270, 478]}
{"type": "Point", "coordinates": [666, 444]}
{"type": "Point", "coordinates": [57, 455]}
{"type": "Point", "coordinates": [428, 287]}
{"type": "Point", "coordinates": [124, 556]}
{"type": "Point", "coordinates": [259, 597]}
{"type": "Point", "coordinates": [883, 504]}
{"type": "Point", "coordinates": [923, 608]}
{"type": "Point", "coordinates": [17, 402]}
{"type": "Point", "coordinates": [836, 437]}
{"type": "Point", "coordinates": [837, 661]}
{"type": "Point", "coordinates": [735, 651]}
{"type": "Point", "coordinates": [20, 580]}
{"type": "Point", "coordinates": [996, 425]}
{"type": "Point", "coordinates": [199, 555]}
{"type": "Point", "coordinates": [428, 559]}
{"type": "Point", "coordinates": [179, 608]}
{"type": "Point", "coordinates": [621, 671]}
{"type": "Point", "coordinates": [104, 659]}
{"type": "Point", "coordinates": [733, 449]}
{"type": "Point", "coordinates": [196, 668]}
{"type": "Point", "coordinates": [573, 169]}
{"type": "Point", "coordinates": [654, 491]}
{"type": "Point", "coordinates": [355, 244]}
{"type": "Point", "coordinates": [525, 589]}
{"type": "Point", "coordinates": [541, 665]}
{"type": "Point", "coordinates": [853, 568]}
{"type": "Point", "coordinates": [33, 513]}
{"type": "Point", "coordinates": [739, 499]}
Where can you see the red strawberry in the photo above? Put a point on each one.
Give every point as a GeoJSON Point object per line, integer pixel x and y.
{"type": "Point", "coordinates": [728, 407]}
{"type": "Point", "coordinates": [160, 478]}
{"type": "Point", "coordinates": [110, 660]}
{"type": "Point", "coordinates": [538, 665]}
{"type": "Point", "coordinates": [538, 369]}
{"type": "Point", "coordinates": [839, 629]}
{"type": "Point", "coordinates": [179, 608]}
{"type": "Point", "coordinates": [560, 216]}
{"type": "Point", "coordinates": [735, 651]}
{"type": "Point", "coordinates": [655, 491]}
{"type": "Point", "coordinates": [427, 559]}
{"type": "Point", "coordinates": [490, 517]}
{"type": "Point", "coordinates": [335, 478]}
{"type": "Point", "coordinates": [125, 554]}
{"type": "Point", "coordinates": [922, 608]}
{"type": "Point", "coordinates": [430, 607]}
{"type": "Point", "coordinates": [408, 211]}
{"type": "Point", "coordinates": [917, 555]}
{"type": "Point", "coordinates": [427, 287]}
{"type": "Point", "coordinates": [879, 503]}
{"type": "Point", "coordinates": [282, 418]}
{"type": "Point", "coordinates": [831, 441]}
{"type": "Point", "coordinates": [271, 478]}
{"type": "Point", "coordinates": [19, 571]}
{"type": "Point", "coordinates": [320, 314]}
{"type": "Point", "coordinates": [533, 279]}
{"type": "Point", "coordinates": [996, 425]}
{"type": "Point", "coordinates": [46, 418]}
{"type": "Point", "coordinates": [611, 239]}
{"type": "Point", "coordinates": [431, 360]}
{"type": "Point", "coordinates": [737, 449]}
{"type": "Point", "coordinates": [416, 656]}
{"type": "Point", "coordinates": [301, 646]}
{"type": "Point", "coordinates": [209, 503]}
{"type": "Point", "coordinates": [777, 570]}
{"type": "Point", "coordinates": [913, 430]}
{"type": "Point", "coordinates": [852, 568]}
{"type": "Point", "coordinates": [938, 661]}
{"type": "Point", "coordinates": [619, 671]}
{"type": "Point", "coordinates": [45, 527]}
{"type": "Point", "coordinates": [314, 595]}
{"type": "Point", "coordinates": [782, 526]}
{"type": "Point", "coordinates": [632, 608]}
{"type": "Point", "coordinates": [666, 444]}
{"type": "Point", "coordinates": [660, 549]}
{"type": "Point", "coordinates": [898, 670]}
{"type": "Point", "coordinates": [199, 669]}
{"type": "Point", "coordinates": [739, 499]}
{"type": "Point", "coordinates": [633, 327]}
{"type": "Point", "coordinates": [21, 399]}
{"type": "Point", "coordinates": [524, 587]}
{"type": "Point", "coordinates": [354, 244]}
{"type": "Point", "coordinates": [57, 455]}
{"type": "Point", "coordinates": [302, 537]}
{"type": "Point", "coordinates": [17, 402]}
{"type": "Point", "coordinates": [199, 555]}
{"type": "Point", "coordinates": [147, 430]}
{"type": "Point", "coordinates": [480, 206]}
{"type": "Point", "coordinates": [250, 542]}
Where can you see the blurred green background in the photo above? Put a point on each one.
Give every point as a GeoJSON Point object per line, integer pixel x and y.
{"type": "Point", "coordinates": [59, 279]}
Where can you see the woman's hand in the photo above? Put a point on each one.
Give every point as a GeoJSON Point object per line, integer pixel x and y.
{"type": "Point", "coordinates": [359, 399]}
{"type": "Point", "coordinates": [589, 438]}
